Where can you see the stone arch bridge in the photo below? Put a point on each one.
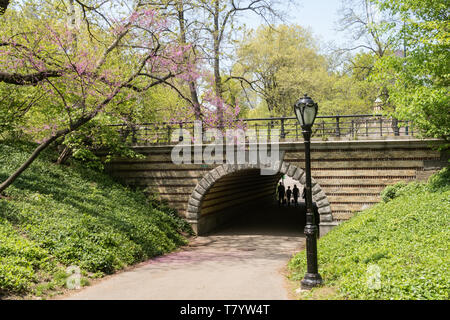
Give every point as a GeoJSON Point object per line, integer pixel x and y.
{"type": "Point", "coordinates": [347, 177]}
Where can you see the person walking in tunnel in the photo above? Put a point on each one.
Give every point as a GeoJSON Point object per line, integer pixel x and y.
{"type": "Point", "coordinates": [288, 195]}
{"type": "Point", "coordinates": [281, 192]}
{"type": "Point", "coordinates": [295, 194]}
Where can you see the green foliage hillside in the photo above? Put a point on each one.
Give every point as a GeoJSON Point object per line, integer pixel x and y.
{"type": "Point", "coordinates": [399, 249]}
{"type": "Point", "coordinates": [55, 216]}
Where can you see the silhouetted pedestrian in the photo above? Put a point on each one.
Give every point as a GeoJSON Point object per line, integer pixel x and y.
{"type": "Point", "coordinates": [304, 196]}
{"type": "Point", "coordinates": [288, 195]}
{"type": "Point", "coordinates": [295, 193]}
{"type": "Point", "coordinates": [281, 192]}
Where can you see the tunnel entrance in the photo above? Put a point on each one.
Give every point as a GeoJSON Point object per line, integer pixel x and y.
{"type": "Point", "coordinates": [240, 194]}
{"type": "Point", "coordinates": [265, 220]}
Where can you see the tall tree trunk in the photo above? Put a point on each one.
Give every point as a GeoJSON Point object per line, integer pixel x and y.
{"type": "Point", "coordinates": [5, 184]}
{"type": "Point", "coordinates": [195, 101]}
{"type": "Point", "coordinates": [61, 133]}
{"type": "Point", "coordinates": [73, 24]}
{"type": "Point", "coordinates": [192, 84]}
{"type": "Point", "coordinates": [394, 122]}
{"type": "Point", "coordinates": [217, 77]}
{"type": "Point", "coordinates": [64, 155]}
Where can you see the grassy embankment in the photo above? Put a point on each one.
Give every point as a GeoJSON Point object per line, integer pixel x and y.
{"type": "Point", "coordinates": [54, 217]}
{"type": "Point", "coordinates": [399, 249]}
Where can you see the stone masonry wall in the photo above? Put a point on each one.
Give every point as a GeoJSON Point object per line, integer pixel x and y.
{"type": "Point", "coordinates": [350, 173]}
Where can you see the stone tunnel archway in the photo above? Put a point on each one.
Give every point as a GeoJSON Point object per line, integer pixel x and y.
{"type": "Point", "coordinates": [197, 197]}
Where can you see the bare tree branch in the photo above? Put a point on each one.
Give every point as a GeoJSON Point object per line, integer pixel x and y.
{"type": "Point", "coordinates": [27, 79]}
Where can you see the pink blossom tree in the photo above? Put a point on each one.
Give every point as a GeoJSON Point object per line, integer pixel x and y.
{"type": "Point", "coordinates": [84, 73]}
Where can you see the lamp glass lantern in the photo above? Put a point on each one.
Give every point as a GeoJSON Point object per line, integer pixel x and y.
{"type": "Point", "coordinates": [306, 111]}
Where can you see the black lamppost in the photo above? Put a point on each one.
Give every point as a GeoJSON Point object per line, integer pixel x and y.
{"type": "Point", "coordinates": [306, 111]}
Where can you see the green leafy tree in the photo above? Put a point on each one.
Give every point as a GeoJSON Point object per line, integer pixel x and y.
{"type": "Point", "coordinates": [281, 64]}
{"type": "Point", "coordinates": [418, 81]}
{"type": "Point", "coordinates": [352, 90]}
{"type": "Point", "coordinates": [370, 30]}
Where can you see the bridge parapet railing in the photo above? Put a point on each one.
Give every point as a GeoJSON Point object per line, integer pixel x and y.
{"type": "Point", "coordinates": [325, 127]}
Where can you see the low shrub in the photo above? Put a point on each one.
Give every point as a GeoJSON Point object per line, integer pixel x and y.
{"type": "Point", "coordinates": [440, 181]}
{"type": "Point", "coordinates": [20, 260]}
{"type": "Point", "coordinates": [390, 192]}
{"type": "Point", "coordinates": [394, 250]}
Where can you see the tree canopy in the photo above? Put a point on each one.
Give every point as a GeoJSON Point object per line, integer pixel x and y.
{"type": "Point", "coordinates": [283, 63]}
{"type": "Point", "coordinates": [418, 81]}
{"type": "Point", "coordinates": [69, 69]}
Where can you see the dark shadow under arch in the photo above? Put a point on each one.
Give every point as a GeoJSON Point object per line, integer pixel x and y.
{"type": "Point", "coordinates": [197, 198]}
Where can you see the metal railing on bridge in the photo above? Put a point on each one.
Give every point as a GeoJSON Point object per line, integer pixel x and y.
{"type": "Point", "coordinates": [342, 127]}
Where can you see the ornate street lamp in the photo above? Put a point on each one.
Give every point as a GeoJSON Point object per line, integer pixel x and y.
{"type": "Point", "coordinates": [306, 111]}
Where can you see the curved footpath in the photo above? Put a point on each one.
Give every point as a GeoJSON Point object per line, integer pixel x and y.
{"type": "Point", "coordinates": [244, 261]}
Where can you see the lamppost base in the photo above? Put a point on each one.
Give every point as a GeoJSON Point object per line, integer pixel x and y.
{"type": "Point", "coordinates": [311, 280]}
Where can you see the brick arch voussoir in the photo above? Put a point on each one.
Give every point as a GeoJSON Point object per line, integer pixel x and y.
{"type": "Point", "coordinates": [205, 184]}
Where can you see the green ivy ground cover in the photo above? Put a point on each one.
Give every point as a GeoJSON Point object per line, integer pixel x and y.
{"type": "Point", "coordinates": [399, 249]}
{"type": "Point", "coordinates": [55, 216]}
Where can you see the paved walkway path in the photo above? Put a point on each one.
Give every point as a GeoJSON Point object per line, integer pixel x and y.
{"type": "Point", "coordinates": [246, 260]}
